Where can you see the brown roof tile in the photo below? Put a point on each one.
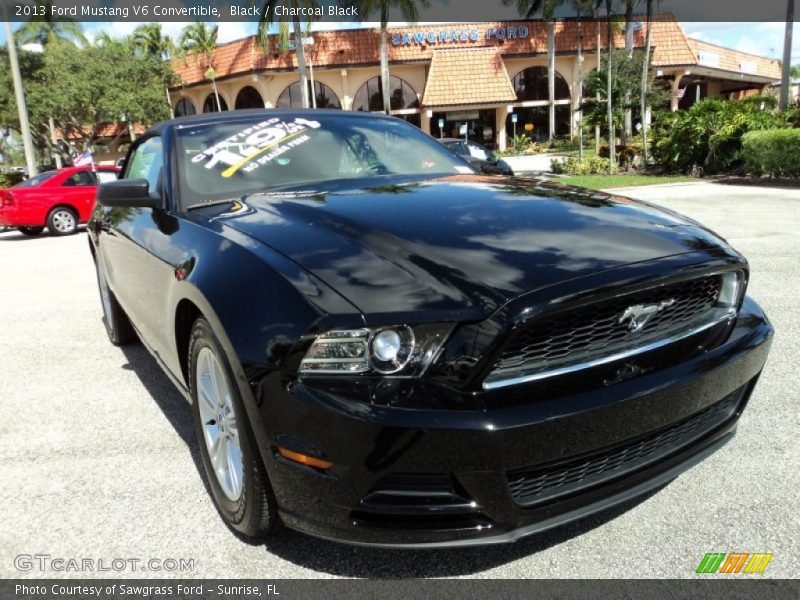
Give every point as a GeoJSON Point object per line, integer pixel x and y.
{"type": "Point", "coordinates": [467, 76]}
{"type": "Point", "coordinates": [733, 60]}
{"type": "Point", "coordinates": [360, 47]}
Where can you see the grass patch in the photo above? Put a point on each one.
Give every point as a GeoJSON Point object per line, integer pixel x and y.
{"type": "Point", "coordinates": [618, 181]}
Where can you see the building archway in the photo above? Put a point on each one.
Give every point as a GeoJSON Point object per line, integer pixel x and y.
{"type": "Point", "coordinates": [531, 84]}
{"type": "Point", "coordinates": [210, 104]}
{"type": "Point", "coordinates": [185, 108]}
{"type": "Point", "coordinates": [291, 96]}
{"type": "Point", "coordinates": [248, 97]}
{"type": "Point", "coordinates": [402, 96]}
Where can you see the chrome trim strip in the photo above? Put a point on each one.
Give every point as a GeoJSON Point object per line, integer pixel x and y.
{"type": "Point", "coordinates": [493, 385]}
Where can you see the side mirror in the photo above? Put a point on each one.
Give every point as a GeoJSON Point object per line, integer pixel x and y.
{"type": "Point", "coordinates": [127, 193]}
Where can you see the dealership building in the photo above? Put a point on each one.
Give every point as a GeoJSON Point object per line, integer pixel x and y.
{"type": "Point", "coordinates": [490, 77]}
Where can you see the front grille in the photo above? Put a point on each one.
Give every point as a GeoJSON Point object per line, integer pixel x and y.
{"type": "Point", "coordinates": [530, 486]}
{"type": "Point", "coordinates": [592, 331]}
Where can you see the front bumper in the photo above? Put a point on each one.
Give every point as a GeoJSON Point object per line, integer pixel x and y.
{"type": "Point", "coordinates": [432, 478]}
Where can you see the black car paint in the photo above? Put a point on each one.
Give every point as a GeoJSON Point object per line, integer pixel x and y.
{"type": "Point", "coordinates": [270, 272]}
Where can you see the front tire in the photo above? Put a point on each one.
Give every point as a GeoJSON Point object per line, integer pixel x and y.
{"type": "Point", "coordinates": [31, 231]}
{"type": "Point", "coordinates": [235, 472]}
{"type": "Point", "coordinates": [118, 326]}
{"type": "Point", "coordinates": [62, 221]}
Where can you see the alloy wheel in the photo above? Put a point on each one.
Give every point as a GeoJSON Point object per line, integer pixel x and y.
{"type": "Point", "coordinates": [64, 221]}
{"type": "Point", "coordinates": [218, 419]}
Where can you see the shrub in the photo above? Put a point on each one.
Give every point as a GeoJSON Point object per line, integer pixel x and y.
{"type": "Point", "coordinates": [709, 134]}
{"type": "Point", "coordinates": [593, 165]}
{"type": "Point", "coordinates": [9, 179]}
{"type": "Point", "coordinates": [625, 154]}
{"type": "Point", "coordinates": [775, 152]}
{"type": "Point", "coordinates": [557, 165]}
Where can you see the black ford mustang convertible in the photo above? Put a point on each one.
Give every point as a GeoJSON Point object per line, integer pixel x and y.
{"type": "Point", "coordinates": [382, 346]}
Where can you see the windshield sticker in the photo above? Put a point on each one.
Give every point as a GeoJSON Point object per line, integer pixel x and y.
{"type": "Point", "coordinates": [257, 145]}
{"type": "Point", "coordinates": [460, 169]}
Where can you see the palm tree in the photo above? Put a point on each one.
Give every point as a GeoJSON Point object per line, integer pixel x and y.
{"type": "Point", "coordinates": [200, 40]}
{"type": "Point", "coordinates": [627, 129]}
{"type": "Point", "coordinates": [408, 8]}
{"type": "Point", "coordinates": [596, 18]}
{"type": "Point", "coordinates": [580, 6]}
{"type": "Point", "coordinates": [526, 9]}
{"type": "Point", "coordinates": [612, 147]}
{"type": "Point", "coordinates": [645, 79]}
{"type": "Point", "coordinates": [149, 39]}
{"type": "Point", "coordinates": [787, 55]}
{"type": "Point", "coordinates": [268, 18]}
{"type": "Point", "coordinates": [45, 29]}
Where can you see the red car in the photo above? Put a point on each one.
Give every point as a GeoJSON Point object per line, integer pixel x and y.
{"type": "Point", "coordinates": [58, 200]}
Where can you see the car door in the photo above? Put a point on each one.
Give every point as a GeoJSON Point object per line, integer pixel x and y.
{"type": "Point", "coordinates": [78, 191]}
{"type": "Point", "coordinates": [135, 243]}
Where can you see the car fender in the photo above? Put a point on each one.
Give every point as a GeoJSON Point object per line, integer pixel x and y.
{"type": "Point", "coordinates": [257, 310]}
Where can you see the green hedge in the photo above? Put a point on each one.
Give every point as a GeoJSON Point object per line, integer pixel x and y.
{"type": "Point", "coordinates": [9, 179]}
{"type": "Point", "coordinates": [774, 152]}
{"type": "Point", "coordinates": [709, 134]}
{"type": "Point", "coordinates": [592, 165]}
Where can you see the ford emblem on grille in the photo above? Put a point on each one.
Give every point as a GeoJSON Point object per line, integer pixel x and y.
{"type": "Point", "coordinates": [640, 314]}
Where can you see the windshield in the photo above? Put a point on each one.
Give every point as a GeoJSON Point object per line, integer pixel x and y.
{"type": "Point", "coordinates": [34, 181]}
{"type": "Point", "coordinates": [232, 159]}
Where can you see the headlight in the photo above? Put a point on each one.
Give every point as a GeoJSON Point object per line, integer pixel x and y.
{"type": "Point", "coordinates": [400, 350]}
{"type": "Point", "coordinates": [390, 349]}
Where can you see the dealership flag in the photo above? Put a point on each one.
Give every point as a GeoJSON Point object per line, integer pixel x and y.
{"type": "Point", "coordinates": [83, 159]}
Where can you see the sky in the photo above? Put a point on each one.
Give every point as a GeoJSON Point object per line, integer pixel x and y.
{"type": "Point", "coordinates": [765, 39]}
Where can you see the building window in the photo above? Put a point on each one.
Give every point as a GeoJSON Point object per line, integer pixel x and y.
{"type": "Point", "coordinates": [369, 98]}
{"type": "Point", "coordinates": [531, 84]}
{"type": "Point", "coordinates": [292, 97]}
{"type": "Point", "coordinates": [537, 118]}
{"type": "Point", "coordinates": [248, 97]}
{"type": "Point", "coordinates": [210, 105]}
{"type": "Point", "coordinates": [184, 108]}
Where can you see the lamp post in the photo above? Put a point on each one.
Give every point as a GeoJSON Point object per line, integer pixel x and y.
{"type": "Point", "coordinates": [19, 93]}
{"type": "Point", "coordinates": [309, 41]}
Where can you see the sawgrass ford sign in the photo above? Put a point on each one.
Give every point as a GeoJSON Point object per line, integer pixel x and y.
{"type": "Point", "coordinates": [447, 36]}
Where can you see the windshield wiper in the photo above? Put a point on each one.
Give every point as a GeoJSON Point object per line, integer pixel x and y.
{"type": "Point", "coordinates": [209, 203]}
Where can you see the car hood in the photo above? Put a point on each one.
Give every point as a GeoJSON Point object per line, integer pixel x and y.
{"type": "Point", "coordinates": [458, 246]}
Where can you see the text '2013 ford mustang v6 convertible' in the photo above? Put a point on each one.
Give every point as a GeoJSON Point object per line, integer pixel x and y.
{"type": "Point", "coordinates": [382, 346]}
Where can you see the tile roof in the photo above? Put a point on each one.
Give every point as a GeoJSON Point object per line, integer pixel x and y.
{"type": "Point", "coordinates": [356, 47]}
{"type": "Point", "coordinates": [714, 56]}
{"type": "Point", "coordinates": [104, 130]}
{"type": "Point", "coordinates": [467, 76]}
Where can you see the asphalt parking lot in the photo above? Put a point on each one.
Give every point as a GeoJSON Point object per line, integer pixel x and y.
{"type": "Point", "coordinates": [98, 458]}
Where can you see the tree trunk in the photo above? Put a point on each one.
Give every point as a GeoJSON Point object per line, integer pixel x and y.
{"type": "Point", "coordinates": [787, 55]}
{"type": "Point", "coordinates": [301, 61]}
{"type": "Point", "coordinates": [612, 148]}
{"type": "Point", "coordinates": [627, 129]}
{"type": "Point", "coordinates": [387, 104]}
{"type": "Point", "coordinates": [169, 103]}
{"type": "Point", "coordinates": [216, 94]}
{"type": "Point", "coordinates": [645, 79]}
{"type": "Point", "coordinates": [580, 89]}
{"type": "Point", "coordinates": [551, 80]}
{"type": "Point", "coordinates": [596, 17]}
